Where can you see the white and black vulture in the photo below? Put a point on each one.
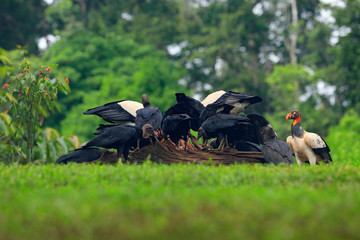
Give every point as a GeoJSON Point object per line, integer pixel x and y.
{"type": "Point", "coordinates": [189, 106]}
{"type": "Point", "coordinates": [121, 112]}
{"type": "Point", "coordinates": [273, 149]}
{"type": "Point", "coordinates": [121, 138]}
{"type": "Point", "coordinates": [176, 126]}
{"type": "Point", "coordinates": [148, 115]}
{"type": "Point", "coordinates": [227, 102]}
{"type": "Point", "coordinates": [306, 146]}
{"type": "Point", "coordinates": [226, 128]}
{"type": "Point", "coordinates": [80, 155]}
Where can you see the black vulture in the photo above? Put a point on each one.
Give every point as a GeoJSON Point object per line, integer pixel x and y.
{"type": "Point", "coordinates": [121, 138]}
{"type": "Point", "coordinates": [80, 155]}
{"type": "Point", "coordinates": [176, 126]}
{"type": "Point", "coordinates": [121, 112]}
{"type": "Point", "coordinates": [227, 102]}
{"type": "Point", "coordinates": [189, 106]}
{"type": "Point", "coordinates": [247, 146]}
{"type": "Point", "coordinates": [226, 128]}
{"type": "Point", "coordinates": [148, 115]}
{"type": "Point", "coordinates": [273, 149]}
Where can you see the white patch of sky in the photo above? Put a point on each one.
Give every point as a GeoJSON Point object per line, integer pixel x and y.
{"type": "Point", "coordinates": [321, 88]}
{"type": "Point", "coordinates": [273, 57]}
{"type": "Point", "coordinates": [340, 32]}
{"type": "Point", "coordinates": [175, 48]}
{"type": "Point", "coordinates": [126, 16]}
{"type": "Point", "coordinates": [47, 41]}
{"type": "Point", "coordinates": [326, 16]}
{"type": "Point", "coordinates": [219, 66]}
{"type": "Point", "coordinates": [334, 3]}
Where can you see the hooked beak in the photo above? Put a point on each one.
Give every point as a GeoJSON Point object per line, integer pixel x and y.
{"type": "Point", "coordinates": [288, 117]}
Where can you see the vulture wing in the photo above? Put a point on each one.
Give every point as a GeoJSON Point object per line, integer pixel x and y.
{"type": "Point", "coordinates": [276, 151]}
{"type": "Point", "coordinates": [150, 115]}
{"type": "Point", "coordinates": [111, 137]}
{"type": "Point", "coordinates": [222, 121]}
{"type": "Point", "coordinates": [229, 103]}
{"type": "Point", "coordinates": [211, 98]}
{"type": "Point", "coordinates": [80, 155]}
{"type": "Point", "coordinates": [116, 112]}
{"type": "Point", "coordinates": [318, 145]}
{"type": "Point", "coordinates": [288, 141]}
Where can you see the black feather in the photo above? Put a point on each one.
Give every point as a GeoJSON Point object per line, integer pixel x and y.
{"type": "Point", "coordinates": [80, 155]}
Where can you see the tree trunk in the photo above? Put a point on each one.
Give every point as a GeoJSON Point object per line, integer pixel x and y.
{"type": "Point", "coordinates": [293, 32]}
{"type": "Point", "coordinates": [84, 12]}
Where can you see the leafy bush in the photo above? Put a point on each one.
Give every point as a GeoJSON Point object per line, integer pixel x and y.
{"type": "Point", "coordinates": [30, 97]}
{"type": "Point", "coordinates": [343, 139]}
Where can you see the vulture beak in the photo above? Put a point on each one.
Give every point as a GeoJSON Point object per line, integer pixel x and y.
{"type": "Point", "coordinates": [154, 135]}
{"type": "Point", "coordinates": [288, 117]}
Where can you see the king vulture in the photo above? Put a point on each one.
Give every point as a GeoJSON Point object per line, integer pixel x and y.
{"type": "Point", "coordinates": [121, 138]}
{"type": "Point", "coordinates": [306, 146]}
{"type": "Point", "coordinates": [148, 115]}
{"type": "Point", "coordinates": [226, 102]}
{"type": "Point", "coordinates": [273, 149]}
{"type": "Point", "coordinates": [122, 112]}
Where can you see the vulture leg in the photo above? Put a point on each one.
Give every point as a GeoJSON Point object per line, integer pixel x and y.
{"type": "Point", "coordinates": [126, 154]}
{"type": "Point", "coordinates": [312, 159]}
{"type": "Point", "coordinates": [186, 141]}
{"type": "Point", "coordinates": [205, 142]}
{"type": "Point", "coordinates": [221, 138]}
{"type": "Point", "coordinates": [221, 145]}
{"type": "Point", "coordinates": [120, 150]}
{"type": "Point", "coordinates": [226, 146]}
{"type": "Point", "coordinates": [299, 162]}
{"type": "Point", "coordinates": [137, 145]}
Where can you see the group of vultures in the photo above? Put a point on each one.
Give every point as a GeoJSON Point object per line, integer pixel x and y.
{"type": "Point", "coordinates": [218, 120]}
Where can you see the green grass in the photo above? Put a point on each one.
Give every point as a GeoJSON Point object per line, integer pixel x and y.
{"type": "Point", "coordinates": [180, 202]}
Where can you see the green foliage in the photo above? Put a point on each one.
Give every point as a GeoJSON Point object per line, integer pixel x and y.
{"type": "Point", "coordinates": [345, 72]}
{"type": "Point", "coordinates": [108, 69]}
{"type": "Point", "coordinates": [180, 202]}
{"type": "Point", "coordinates": [344, 139]}
{"type": "Point", "coordinates": [50, 145]}
{"type": "Point", "coordinates": [30, 96]}
{"type": "Point", "coordinates": [22, 23]}
{"type": "Point", "coordinates": [287, 84]}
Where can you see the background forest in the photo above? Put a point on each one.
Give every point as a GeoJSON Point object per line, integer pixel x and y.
{"type": "Point", "coordinates": [294, 54]}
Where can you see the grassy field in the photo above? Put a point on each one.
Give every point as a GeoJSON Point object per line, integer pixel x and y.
{"type": "Point", "coordinates": [180, 202]}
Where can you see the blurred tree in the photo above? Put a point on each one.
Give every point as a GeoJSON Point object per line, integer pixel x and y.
{"type": "Point", "coordinates": [110, 68]}
{"type": "Point", "coordinates": [22, 23]}
{"type": "Point", "coordinates": [345, 73]}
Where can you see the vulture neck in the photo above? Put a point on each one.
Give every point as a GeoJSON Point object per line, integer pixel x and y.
{"type": "Point", "coordinates": [145, 101]}
{"type": "Point", "coordinates": [297, 130]}
{"type": "Point", "coordinates": [296, 121]}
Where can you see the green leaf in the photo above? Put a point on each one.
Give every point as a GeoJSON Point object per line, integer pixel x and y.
{"type": "Point", "coordinates": [4, 127]}
{"type": "Point", "coordinates": [63, 144]}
